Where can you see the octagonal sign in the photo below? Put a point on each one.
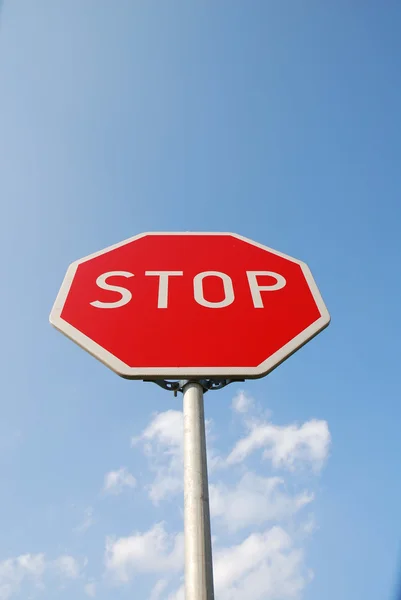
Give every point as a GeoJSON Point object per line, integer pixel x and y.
{"type": "Point", "coordinates": [189, 305]}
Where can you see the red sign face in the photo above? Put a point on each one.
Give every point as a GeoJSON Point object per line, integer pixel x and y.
{"type": "Point", "coordinates": [167, 305]}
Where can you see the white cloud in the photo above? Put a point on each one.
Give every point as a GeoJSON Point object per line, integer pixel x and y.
{"type": "Point", "coordinates": [242, 402]}
{"type": "Point", "coordinates": [87, 522]}
{"type": "Point", "coordinates": [263, 566]}
{"type": "Point", "coordinates": [162, 442]}
{"type": "Point", "coordinates": [164, 485]}
{"type": "Point", "coordinates": [254, 500]}
{"type": "Point", "coordinates": [309, 526]}
{"type": "Point", "coordinates": [178, 594]}
{"type": "Point", "coordinates": [285, 446]}
{"type": "Point", "coordinates": [14, 571]}
{"type": "Point", "coordinates": [33, 564]}
{"type": "Point", "coordinates": [67, 566]}
{"type": "Point", "coordinates": [90, 589]}
{"type": "Point", "coordinates": [31, 569]}
{"type": "Point", "coordinates": [154, 551]}
{"type": "Point", "coordinates": [165, 428]}
{"type": "Point", "coordinates": [116, 481]}
{"type": "Point", "coordinates": [158, 589]}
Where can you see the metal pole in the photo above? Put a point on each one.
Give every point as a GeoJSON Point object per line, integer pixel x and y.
{"type": "Point", "coordinates": [198, 543]}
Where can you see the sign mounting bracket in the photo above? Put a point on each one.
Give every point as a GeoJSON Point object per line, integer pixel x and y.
{"type": "Point", "coordinates": [178, 386]}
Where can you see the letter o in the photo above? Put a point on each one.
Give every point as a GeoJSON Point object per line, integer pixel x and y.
{"type": "Point", "coordinates": [228, 289]}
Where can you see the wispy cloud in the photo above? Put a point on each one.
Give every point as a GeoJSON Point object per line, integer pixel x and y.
{"type": "Point", "coordinates": [288, 446]}
{"type": "Point", "coordinates": [116, 481]}
{"type": "Point", "coordinates": [90, 589]}
{"type": "Point", "coordinates": [158, 589]}
{"type": "Point", "coordinates": [153, 551]}
{"type": "Point", "coordinates": [264, 565]}
{"type": "Point", "coordinates": [32, 568]}
{"type": "Point", "coordinates": [162, 443]}
{"type": "Point", "coordinates": [242, 402]}
{"type": "Point", "coordinates": [254, 500]}
{"type": "Point", "coordinates": [67, 566]}
{"type": "Point", "coordinates": [87, 521]}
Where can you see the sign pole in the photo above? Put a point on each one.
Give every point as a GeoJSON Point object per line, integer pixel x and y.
{"type": "Point", "coordinates": [198, 543]}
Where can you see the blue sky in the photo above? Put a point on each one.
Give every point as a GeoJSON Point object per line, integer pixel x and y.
{"type": "Point", "coordinates": [276, 120]}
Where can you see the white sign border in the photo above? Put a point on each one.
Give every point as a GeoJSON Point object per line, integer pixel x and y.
{"type": "Point", "coordinates": [127, 372]}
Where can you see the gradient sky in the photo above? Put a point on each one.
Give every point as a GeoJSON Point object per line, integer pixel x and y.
{"type": "Point", "coordinates": [279, 121]}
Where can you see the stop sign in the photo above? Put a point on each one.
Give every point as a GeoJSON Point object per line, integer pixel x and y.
{"type": "Point", "coordinates": [189, 305]}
